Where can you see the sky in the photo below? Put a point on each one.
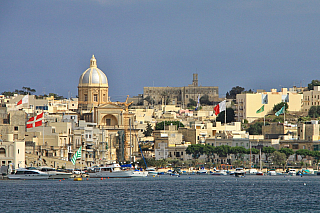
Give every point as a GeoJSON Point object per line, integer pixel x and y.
{"type": "Point", "coordinates": [47, 45]}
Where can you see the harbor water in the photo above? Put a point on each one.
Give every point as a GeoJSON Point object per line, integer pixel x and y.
{"type": "Point", "coordinates": [187, 193]}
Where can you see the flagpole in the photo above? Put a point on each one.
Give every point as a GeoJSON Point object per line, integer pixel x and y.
{"type": "Point", "coordinates": [284, 114]}
{"type": "Point", "coordinates": [225, 118]}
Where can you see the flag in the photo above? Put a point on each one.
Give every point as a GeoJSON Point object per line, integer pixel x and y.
{"type": "Point", "coordinates": [24, 100]}
{"type": "Point", "coordinates": [198, 102]}
{"type": "Point", "coordinates": [35, 121]}
{"type": "Point", "coordinates": [260, 110]}
{"type": "Point", "coordinates": [76, 156]}
{"type": "Point", "coordinates": [220, 107]}
{"type": "Point", "coordinates": [281, 111]}
{"type": "Point", "coordinates": [285, 98]}
{"type": "Point", "coordinates": [264, 98]}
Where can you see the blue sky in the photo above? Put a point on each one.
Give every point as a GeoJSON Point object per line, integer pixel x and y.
{"type": "Point", "coordinates": [47, 45]}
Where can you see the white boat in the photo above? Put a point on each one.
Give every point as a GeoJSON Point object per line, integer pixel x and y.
{"type": "Point", "coordinates": [219, 172]}
{"type": "Point", "coordinates": [272, 173]}
{"type": "Point", "coordinates": [239, 172]}
{"type": "Point", "coordinates": [152, 171]}
{"type": "Point", "coordinates": [137, 173]}
{"type": "Point", "coordinates": [202, 171]}
{"type": "Point", "coordinates": [26, 174]}
{"type": "Point", "coordinates": [292, 172]}
{"type": "Point", "coordinates": [109, 171]}
{"type": "Point", "coordinates": [54, 174]}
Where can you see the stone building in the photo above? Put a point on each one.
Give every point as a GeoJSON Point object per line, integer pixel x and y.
{"type": "Point", "coordinates": [180, 95]}
{"type": "Point", "coordinates": [93, 87]}
{"type": "Point", "coordinates": [12, 122]}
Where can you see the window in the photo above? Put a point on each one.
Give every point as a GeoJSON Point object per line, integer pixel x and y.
{"type": "Point", "coordinates": [95, 97]}
{"type": "Point", "coordinates": [16, 128]}
{"type": "Point", "coordinates": [108, 122]}
{"type": "Point", "coordinates": [85, 97]}
{"type": "Point", "coordinates": [15, 136]}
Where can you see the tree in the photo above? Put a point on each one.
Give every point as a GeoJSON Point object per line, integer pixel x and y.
{"type": "Point", "coordinates": [238, 151]}
{"type": "Point", "coordinates": [279, 158]}
{"type": "Point", "coordinates": [148, 131]}
{"type": "Point", "coordinates": [230, 116]}
{"type": "Point", "coordinates": [316, 156]}
{"type": "Point", "coordinates": [234, 91]}
{"type": "Point", "coordinates": [222, 150]}
{"type": "Point", "coordinates": [268, 151]}
{"type": "Point", "coordinates": [196, 150]}
{"type": "Point", "coordinates": [255, 129]}
{"type": "Point", "coordinates": [159, 126]}
{"type": "Point", "coordinates": [56, 96]}
{"type": "Point", "coordinates": [149, 100]}
{"type": "Point", "coordinates": [303, 153]}
{"type": "Point", "coordinates": [314, 112]}
{"type": "Point", "coordinates": [278, 106]}
{"type": "Point", "coordinates": [192, 103]}
{"type": "Point", "coordinates": [288, 152]}
{"type": "Point", "coordinates": [204, 100]}
{"type": "Point", "coordinates": [313, 83]}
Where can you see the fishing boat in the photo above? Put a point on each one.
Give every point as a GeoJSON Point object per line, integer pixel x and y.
{"type": "Point", "coordinates": [109, 171]}
{"type": "Point", "coordinates": [26, 174]}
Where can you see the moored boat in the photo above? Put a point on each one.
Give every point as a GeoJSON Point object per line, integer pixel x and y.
{"type": "Point", "coordinates": [109, 171]}
{"type": "Point", "coordinates": [292, 172]}
{"type": "Point", "coordinates": [54, 174]}
{"type": "Point", "coordinates": [26, 174]}
{"type": "Point", "coordinates": [138, 173]}
{"type": "Point", "coordinates": [239, 172]}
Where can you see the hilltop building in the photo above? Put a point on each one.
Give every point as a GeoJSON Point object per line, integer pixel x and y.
{"type": "Point", "coordinates": [180, 95]}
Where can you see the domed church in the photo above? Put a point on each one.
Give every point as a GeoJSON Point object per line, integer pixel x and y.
{"type": "Point", "coordinates": [93, 87]}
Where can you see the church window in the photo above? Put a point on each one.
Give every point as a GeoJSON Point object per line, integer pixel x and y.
{"type": "Point", "coordinates": [104, 97]}
{"type": "Point", "coordinates": [85, 97]}
{"type": "Point", "coordinates": [95, 97]}
{"type": "Point", "coordinates": [108, 122]}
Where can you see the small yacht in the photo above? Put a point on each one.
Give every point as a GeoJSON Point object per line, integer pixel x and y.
{"type": "Point", "coordinates": [151, 171]}
{"type": "Point", "coordinates": [292, 172]}
{"type": "Point", "coordinates": [138, 173]}
{"type": "Point", "coordinates": [202, 171]}
{"type": "Point", "coordinates": [54, 174]}
{"type": "Point", "coordinates": [109, 171]}
{"type": "Point", "coordinates": [26, 174]}
{"type": "Point", "coordinates": [239, 172]}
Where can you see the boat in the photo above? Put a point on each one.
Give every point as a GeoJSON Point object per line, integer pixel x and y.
{"type": "Point", "coordinates": [292, 172]}
{"type": "Point", "coordinates": [151, 171]}
{"type": "Point", "coordinates": [252, 172]}
{"type": "Point", "coordinates": [219, 172]}
{"type": "Point", "coordinates": [109, 171]}
{"type": "Point", "coordinates": [259, 173]}
{"type": "Point", "coordinates": [239, 172]}
{"type": "Point", "coordinates": [55, 174]}
{"type": "Point", "coordinates": [26, 174]}
{"type": "Point", "coordinates": [202, 171]}
{"type": "Point", "coordinates": [272, 173]}
{"type": "Point", "coordinates": [138, 173]}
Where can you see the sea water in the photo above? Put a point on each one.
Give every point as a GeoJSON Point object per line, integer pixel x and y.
{"type": "Point", "coordinates": [187, 193]}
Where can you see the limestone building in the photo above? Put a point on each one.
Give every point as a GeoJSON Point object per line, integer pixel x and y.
{"type": "Point", "coordinates": [180, 95]}
{"type": "Point", "coordinates": [93, 87]}
{"type": "Point", "coordinates": [249, 103]}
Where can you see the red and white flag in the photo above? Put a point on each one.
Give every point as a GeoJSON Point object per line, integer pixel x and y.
{"type": "Point", "coordinates": [24, 100]}
{"type": "Point", "coordinates": [220, 107]}
{"type": "Point", "coordinates": [35, 121]}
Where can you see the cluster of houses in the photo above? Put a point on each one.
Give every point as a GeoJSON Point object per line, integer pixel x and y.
{"type": "Point", "coordinates": [113, 131]}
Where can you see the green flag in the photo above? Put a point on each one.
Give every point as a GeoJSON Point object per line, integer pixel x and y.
{"type": "Point", "coordinates": [76, 156]}
{"type": "Point", "coordinates": [260, 110]}
{"type": "Point", "coordinates": [281, 111]}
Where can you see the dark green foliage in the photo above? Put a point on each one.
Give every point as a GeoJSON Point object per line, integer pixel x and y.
{"type": "Point", "coordinates": [149, 100]}
{"type": "Point", "coordinates": [268, 151]}
{"type": "Point", "coordinates": [238, 151]}
{"type": "Point", "coordinates": [254, 151]}
{"type": "Point", "coordinates": [192, 103]}
{"type": "Point", "coordinates": [56, 96]}
{"type": "Point", "coordinates": [314, 112]}
{"type": "Point", "coordinates": [222, 150]}
{"type": "Point", "coordinates": [230, 116]}
{"type": "Point", "coordinates": [313, 83]}
{"type": "Point", "coordinates": [303, 153]}
{"type": "Point", "coordinates": [234, 91]}
{"type": "Point", "coordinates": [196, 150]}
{"type": "Point", "coordinates": [278, 106]}
{"type": "Point", "coordinates": [24, 91]}
{"type": "Point", "coordinates": [148, 130]}
{"type": "Point", "coordinates": [204, 100]}
{"type": "Point", "coordinates": [278, 119]}
{"type": "Point", "coordinates": [255, 129]}
{"type": "Point", "coordinates": [159, 126]}
{"type": "Point", "coordinates": [287, 152]}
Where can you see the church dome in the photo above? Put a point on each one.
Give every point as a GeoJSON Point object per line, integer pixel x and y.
{"type": "Point", "coordinates": [93, 76]}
